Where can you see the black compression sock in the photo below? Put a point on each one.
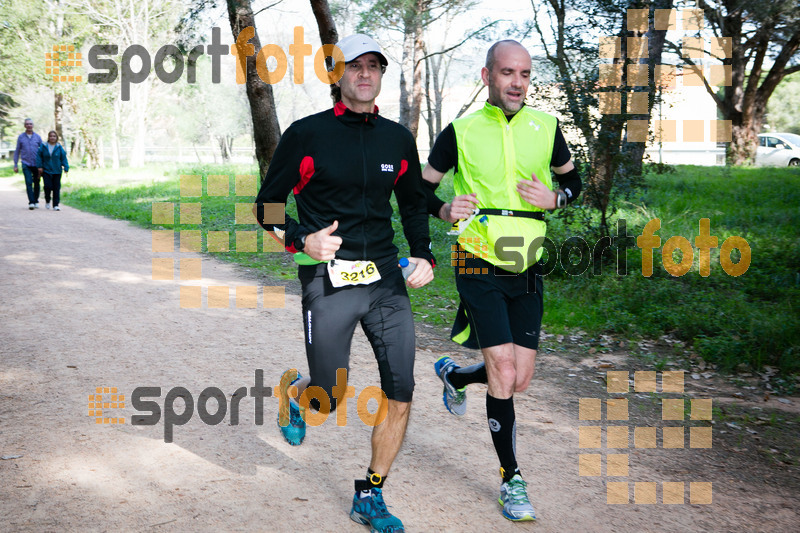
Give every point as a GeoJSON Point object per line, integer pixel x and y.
{"type": "Point", "coordinates": [373, 481]}
{"type": "Point", "coordinates": [461, 377]}
{"type": "Point", "coordinates": [502, 423]}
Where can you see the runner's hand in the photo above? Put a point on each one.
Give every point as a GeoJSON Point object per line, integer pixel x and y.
{"type": "Point", "coordinates": [461, 207]}
{"type": "Point", "coordinates": [422, 275]}
{"type": "Point", "coordinates": [537, 193]}
{"type": "Point", "coordinates": [322, 245]}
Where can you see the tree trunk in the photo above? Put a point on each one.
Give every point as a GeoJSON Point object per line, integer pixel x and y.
{"type": "Point", "coordinates": [140, 97]}
{"type": "Point", "coordinates": [327, 30]}
{"type": "Point", "coordinates": [325, 24]}
{"type": "Point", "coordinates": [416, 85]}
{"type": "Point", "coordinates": [58, 115]}
{"type": "Point", "coordinates": [266, 130]}
{"type": "Point", "coordinates": [101, 156]}
{"type": "Point", "coordinates": [92, 156]}
{"type": "Point", "coordinates": [428, 93]}
{"type": "Point", "coordinates": [406, 65]}
{"type": "Point", "coordinates": [634, 152]}
{"type": "Point", "coordinates": [223, 149]}
{"type": "Point", "coordinates": [115, 135]}
{"type": "Point", "coordinates": [744, 140]}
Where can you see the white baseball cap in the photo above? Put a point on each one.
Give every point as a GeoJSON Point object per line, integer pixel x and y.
{"type": "Point", "coordinates": [359, 44]}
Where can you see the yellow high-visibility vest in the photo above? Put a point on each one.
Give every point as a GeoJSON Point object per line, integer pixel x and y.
{"type": "Point", "coordinates": [494, 154]}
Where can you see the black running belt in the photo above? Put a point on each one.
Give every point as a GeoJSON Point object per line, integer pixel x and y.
{"type": "Point", "coordinates": [537, 215]}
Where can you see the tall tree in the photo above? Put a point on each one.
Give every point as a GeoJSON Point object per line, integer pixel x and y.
{"type": "Point", "coordinates": [411, 18]}
{"type": "Point", "coordinates": [133, 23]}
{"type": "Point", "coordinates": [764, 40]}
{"type": "Point", "coordinates": [598, 105]}
{"type": "Point", "coordinates": [266, 130]}
{"type": "Point", "coordinates": [327, 30]}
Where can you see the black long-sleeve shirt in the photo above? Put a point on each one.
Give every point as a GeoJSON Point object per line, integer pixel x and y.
{"type": "Point", "coordinates": [344, 166]}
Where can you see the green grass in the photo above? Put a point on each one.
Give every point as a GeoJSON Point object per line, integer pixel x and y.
{"type": "Point", "coordinates": [752, 319]}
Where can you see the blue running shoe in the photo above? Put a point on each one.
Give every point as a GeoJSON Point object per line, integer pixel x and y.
{"type": "Point", "coordinates": [291, 417]}
{"type": "Point", "coordinates": [514, 499]}
{"type": "Point", "coordinates": [454, 399]}
{"type": "Point", "coordinates": [372, 511]}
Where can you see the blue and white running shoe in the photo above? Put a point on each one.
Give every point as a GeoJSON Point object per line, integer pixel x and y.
{"type": "Point", "coordinates": [372, 511]}
{"type": "Point", "coordinates": [291, 417]}
{"type": "Point", "coordinates": [454, 399]}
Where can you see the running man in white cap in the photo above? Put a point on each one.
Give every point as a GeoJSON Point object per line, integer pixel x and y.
{"type": "Point", "coordinates": [343, 165]}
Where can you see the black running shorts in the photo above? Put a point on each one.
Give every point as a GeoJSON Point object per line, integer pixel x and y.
{"type": "Point", "coordinates": [330, 316]}
{"type": "Point", "coordinates": [497, 307]}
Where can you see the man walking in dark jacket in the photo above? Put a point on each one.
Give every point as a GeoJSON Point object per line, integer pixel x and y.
{"type": "Point", "coordinates": [28, 143]}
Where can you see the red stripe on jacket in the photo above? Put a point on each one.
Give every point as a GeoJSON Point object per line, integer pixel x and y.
{"type": "Point", "coordinates": [306, 171]}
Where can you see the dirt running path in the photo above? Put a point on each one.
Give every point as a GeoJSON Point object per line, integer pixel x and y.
{"type": "Point", "coordinates": [79, 309]}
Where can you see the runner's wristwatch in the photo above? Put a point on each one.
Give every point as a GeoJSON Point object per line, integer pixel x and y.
{"type": "Point", "coordinates": [561, 199]}
{"type": "Point", "coordinates": [300, 243]}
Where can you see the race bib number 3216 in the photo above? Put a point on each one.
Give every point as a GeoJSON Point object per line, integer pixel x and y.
{"type": "Point", "coordinates": [352, 272]}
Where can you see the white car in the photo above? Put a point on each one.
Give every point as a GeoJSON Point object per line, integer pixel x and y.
{"type": "Point", "coordinates": [778, 150]}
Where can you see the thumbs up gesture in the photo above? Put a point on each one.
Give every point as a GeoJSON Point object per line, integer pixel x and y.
{"type": "Point", "coordinates": [536, 193]}
{"type": "Point", "coordinates": [322, 245]}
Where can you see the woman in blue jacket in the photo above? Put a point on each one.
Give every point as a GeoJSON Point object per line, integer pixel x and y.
{"type": "Point", "coordinates": [50, 158]}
